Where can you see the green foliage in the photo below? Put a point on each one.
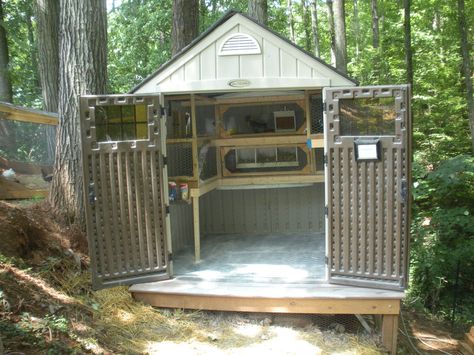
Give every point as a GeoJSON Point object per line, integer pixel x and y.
{"type": "Point", "coordinates": [443, 236]}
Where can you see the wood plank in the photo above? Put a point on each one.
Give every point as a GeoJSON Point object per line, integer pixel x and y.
{"type": "Point", "coordinates": [273, 305]}
{"type": "Point", "coordinates": [260, 99]}
{"type": "Point", "coordinates": [260, 140]}
{"type": "Point", "coordinates": [390, 332]}
{"type": "Point", "coordinates": [270, 180]}
{"type": "Point", "coordinates": [197, 231]}
{"type": "Point", "coordinates": [196, 171]}
{"type": "Point", "coordinates": [22, 194]}
{"type": "Point", "coordinates": [203, 189]}
{"type": "Point", "coordinates": [23, 114]}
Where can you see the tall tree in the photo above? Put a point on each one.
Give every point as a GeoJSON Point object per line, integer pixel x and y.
{"type": "Point", "coordinates": [185, 24]}
{"type": "Point", "coordinates": [6, 92]}
{"type": "Point", "coordinates": [47, 29]}
{"type": "Point", "coordinates": [340, 35]}
{"type": "Point", "coordinates": [291, 21]}
{"type": "Point", "coordinates": [466, 66]}
{"type": "Point", "coordinates": [375, 24]}
{"type": "Point", "coordinates": [7, 140]}
{"type": "Point", "coordinates": [258, 10]}
{"type": "Point", "coordinates": [356, 26]}
{"type": "Point", "coordinates": [314, 28]}
{"type": "Point", "coordinates": [332, 33]}
{"type": "Point", "coordinates": [306, 14]}
{"type": "Point", "coordinates": [82, 70]}
{"type": "Point", "coordinates": [408, 48]}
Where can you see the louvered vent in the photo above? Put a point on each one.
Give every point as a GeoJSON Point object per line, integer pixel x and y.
{"type": "Point", "coordinates": [240, 43]}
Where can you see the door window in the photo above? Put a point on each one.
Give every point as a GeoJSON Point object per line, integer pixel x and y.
{"type": "Point", "coordinates": [121, 122]}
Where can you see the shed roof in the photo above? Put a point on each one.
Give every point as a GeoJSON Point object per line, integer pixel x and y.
{"type": "Point", "coordinates": [238, 53]}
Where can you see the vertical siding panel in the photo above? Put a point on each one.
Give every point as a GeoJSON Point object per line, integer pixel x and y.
{"type": "Point", "coordinates": [363, 217]}
{"type": "Point", "coordinates": [100, 231]}
{"type": "Point", "coordinates": [271, 60]}
{"type": "Point", "coordinates": [192, 69]}
{"type": "Point", "coordinates": [207, 63]}
{"type": "Point", "coordinates": [288, 65]}
{"type": "Point", "coordinates": [114, 203]}
{"type": "Point", "coordinates": [123, 214]}
{"type": "Point", "coordinates": [147, 211]}
{"type": "Point", "coordinates": [337, 210]}
{"type": "Point", "coordinates": [399, 211]}
{"type": "Point", "coordinates": [389, 209]}
{"type": "Point", "coordinates": [131, 208]}
{"type": "Point", "coordinates": [371, 222]}
{"type": "Point", "coordinates": [138, 205]}
{"type": "Point", "coordinates": [304, 71]}
{"type": "Point", "coordinates": [355, 214]}
{"type": "Point", "coordinates": [380, 218]}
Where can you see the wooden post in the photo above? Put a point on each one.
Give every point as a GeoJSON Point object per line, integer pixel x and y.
{"type": "Point", "coordinates": [197, 235]}
{"type": "Point", "coordinates": [390, 332]}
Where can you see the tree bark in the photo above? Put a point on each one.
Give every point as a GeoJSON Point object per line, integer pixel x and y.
{"type": "Point", "coordinates": [466, 67]}
{"type": "Point", "coordinates": [408, 48]}
{"type": "Point", "coordinates": [332, 33]}
{"type": "Point", "coordinates": [375, 24]}
{"type": "Point", "coordinates": [356, 27]}
{"type": "Point", "coordinates": [7, 138]}
{"type": "Point", "coordinates": [306, 24]}
{"type": "Point", "coordinates": [47, 30]}
{"type": "Point", "coordinates": [258, 10]}
{"type": "Point", "coordinates": [314, 27]}
{"type": "Point", "coordinates": [6, 92]}
{"type": "Point", "coordinates": [185, 24]}
{"type": "Point", "coordinates": [340, 35]}
{"type": "Point", "coordinates": [82, 70]}
{"type": "Point", "coordinates": [291, 21]}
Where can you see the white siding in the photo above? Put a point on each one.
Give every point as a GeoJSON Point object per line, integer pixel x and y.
{"type": "Point", "coordinates": [280, 66]}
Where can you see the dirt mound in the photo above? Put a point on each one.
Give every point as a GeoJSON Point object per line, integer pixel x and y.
{"type": "Point", "coordinates": [30, 233]}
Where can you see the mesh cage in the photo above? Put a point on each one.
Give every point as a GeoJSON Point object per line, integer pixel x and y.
{"type": "Point", "coordinates": [178, 122]}
{"type": "Point", "coordinates": [180, 159]}
{"type": "Point", "coordinates": [207, 162]}
{"type": "Point", "coordinates": [316, 111]}
{"type": "Point", "coordinates": [206, 120]}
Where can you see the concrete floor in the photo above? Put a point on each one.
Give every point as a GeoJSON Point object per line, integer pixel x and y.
{"type": "Point", "coordinates": [269, 258]}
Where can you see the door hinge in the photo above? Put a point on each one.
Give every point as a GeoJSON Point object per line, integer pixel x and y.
{"type": "Point", "coordinates": [324, 106]}
{"type": "Point", "coordinates": [165, 160]}
{"type": "Point", "coordinates": [325, 159]}
{"type": "Point", "coordinates": [163, 111]}
{"type": "Point", "coordinates": [326, 260]}
{"type": "Point", "coordinates": [326, 210]}
{"type": "Point", "coordinates": [170, 256]}
{"type": "Point", "coordinates": [167, 209]}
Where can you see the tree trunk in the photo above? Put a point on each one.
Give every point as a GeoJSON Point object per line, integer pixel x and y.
{"type": "Point", "coordinates": [332, 33]}
{"type": "Point", "coordinates": [356, 27]}
{"type": "Point", "coordinates": [82, 70]}
{"type": "Point", "coordinates": [408, 49]}
{"type": "Point", "coordinates": [340, 35]}
{"type": "Point", "coordinates": [314, 27]}
{"type": "Point", "coordinates": [258, 10]}
{"type": "Point", "coordinates": [291, 21]}
{"type": "Point", "coordinates": [6, 92]}
{"type": "Point", "coordinates": [306, 24]}
{"type": "Point", "coordinates": [185, 24]}
{"type": "Point", "coordinates": [47, 29]}
{"type": "Point", "coordinates": [466, 67]}
{"type": "Point", "coordinates": [7, 138]}
{"type": "Point", "coordinates": [375, 24]}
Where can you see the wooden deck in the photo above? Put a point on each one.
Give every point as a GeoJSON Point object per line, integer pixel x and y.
{"type": "Point", "coordinates": [319, 298]}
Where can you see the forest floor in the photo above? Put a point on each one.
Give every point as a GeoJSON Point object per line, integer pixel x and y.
{"type": "Point", "coordinates": [47, 306]}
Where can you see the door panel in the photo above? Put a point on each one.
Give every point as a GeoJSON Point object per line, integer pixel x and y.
{"type": "Point", "coordinates": [367, 180]}
{"type": "Point", "coordinates": [125, 189]}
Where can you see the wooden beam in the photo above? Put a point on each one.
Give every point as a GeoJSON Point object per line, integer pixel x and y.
{"type": "Point", "coordinates": [273, 305]}
{"type": "Point", "coordinates": [23, 114]}
{"type": "Point", "coordinates": [261, 140]}
{"type": "Point", "coordinates": [261, 99]}
{"type": "Point", "coordinates": [266, 180]}
{"type": "Point", "coordinates": [23, 194]}
{"type": "Point", "coordinates": [390, 332]}
{"type": "Point", "coordinates": [206, 187]}
{"type": "Point", "coordinates": [197, 231]}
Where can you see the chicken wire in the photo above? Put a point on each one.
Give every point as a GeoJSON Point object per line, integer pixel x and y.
{"type": "Point", "coordinates": [316, 110]}
{"type": "Point", "coordinates": [180, 159]}
{"type": "Point", "coordinates": [207, 161]}
{"type": "Point", "coordinates": [27, 142]}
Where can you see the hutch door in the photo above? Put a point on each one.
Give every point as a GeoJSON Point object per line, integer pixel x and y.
{"type": "Point", "coordinates": [125, 189]}
{"type": "Point", "coordinates": [367, 151]}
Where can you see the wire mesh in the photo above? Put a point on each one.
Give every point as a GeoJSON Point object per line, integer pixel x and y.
{"type": "Point", "coordinates": [180, 159]}
{"type": "Point", "coordinates": [207, 162]}
{"type": "Point", "coordinates": [316, 111]}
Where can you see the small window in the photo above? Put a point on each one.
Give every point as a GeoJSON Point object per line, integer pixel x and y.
{"type": "Point", "coordinates": [121, 123]}
{"type": "Point", "coordinates": [367, 116]}
{"type": "Point", "coordinates": [240, 44]}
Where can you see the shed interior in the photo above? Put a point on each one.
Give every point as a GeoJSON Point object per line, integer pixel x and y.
{"type": "Point", "coordinates": [256, 204]}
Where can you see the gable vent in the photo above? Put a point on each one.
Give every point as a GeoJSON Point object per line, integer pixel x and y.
{"type": "Point", "coordinates": [238, 44]}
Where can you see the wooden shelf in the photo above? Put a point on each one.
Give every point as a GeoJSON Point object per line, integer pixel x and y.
{"type": "Point", "coordinates": [253, 140]}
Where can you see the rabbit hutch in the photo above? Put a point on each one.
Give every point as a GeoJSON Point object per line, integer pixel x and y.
{"type": "Point", "coordinates": [246, 174]}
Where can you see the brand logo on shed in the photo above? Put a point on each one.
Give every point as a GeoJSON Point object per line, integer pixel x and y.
{"type": "Point", "coordinates": [239, 83]}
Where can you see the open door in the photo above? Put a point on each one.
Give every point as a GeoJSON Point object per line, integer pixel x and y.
{"type": "Point", "coordinates": [125, 189]}
{"type": "Point", "coordinates": [367, 151]}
